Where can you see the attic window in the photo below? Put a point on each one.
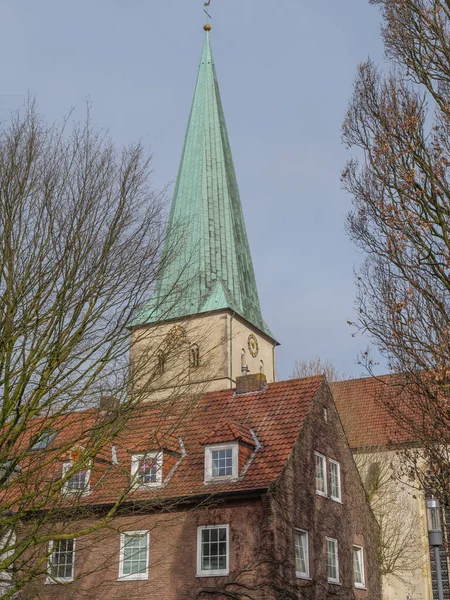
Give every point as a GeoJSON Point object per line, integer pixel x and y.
{"type": "Point", "coordinates": [146, 470]}
{"type": "Point", "coordinates": [221, 462]}
{"type": "Point", "coordinates": [78, 483]}
{"type": "Point", "coordinates": [44, 440]}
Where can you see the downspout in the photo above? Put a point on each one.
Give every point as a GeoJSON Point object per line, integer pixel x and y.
{"type": "Point", "coordinates": [231, 350]}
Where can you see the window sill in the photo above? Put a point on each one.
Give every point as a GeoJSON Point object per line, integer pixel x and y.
{"type": "Point", "coordinates": [142, 577]}
{"type": "Point", "coordinates": [80, 493]}
{"type": "Point", "coordinates": [332, 582]}
{"type": "Point", "coordinates": [50, 580]}
{"type": "Point", "coordinates": [227, 479]}
{"type": "Point", "coordinates": [144, 487]}
{"type": "Point", "coordinates": [321, 494]}
{"type": "Point", "coordinates": [222, 573]}
{"type": "Point", "coordinates": [304, 577]}
{"type": "Point", "coordinates": [338, 500]}
{"type": "Point", "coordinates": [359, 586]}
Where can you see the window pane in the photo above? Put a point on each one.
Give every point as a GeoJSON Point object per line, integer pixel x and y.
{"type": "Point", "coordinates": [334, 480]}
{"type": "Point", "coordinates": [134, 554]}
{"type": "Point", "coordinates": [332, 560]}
{"type": "Point", "coordinates": [358, 565]}
{"type": "Point", "coordinates": [147, 470]}
{"type": "Point", "coordinates": [214, 549]}
{"type": "Point", "coordinates": [301, 553]}
{"type": "Point", "coordinates": [78, 481]}
{"type": "Point", "coordinates": [222, 462]}
{"type": "Point", "coordinates": [61, 560]}
{"type": "Point", "coordinates": [320, 474]}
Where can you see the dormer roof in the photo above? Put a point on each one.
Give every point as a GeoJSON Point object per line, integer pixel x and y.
{"type": "Point", "coordinates": [230, 432]}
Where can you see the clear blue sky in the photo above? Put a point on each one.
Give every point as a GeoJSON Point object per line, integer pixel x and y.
{"type": "Point", "coordinates": [285, 70]}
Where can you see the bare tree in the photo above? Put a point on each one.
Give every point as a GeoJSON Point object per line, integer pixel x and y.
{"type": "Point", "coordinates": [400, 123]}
{"type": "Point", "coordinates": [316, 366]}
{"type": "Point", "coordinates": [81, 237]}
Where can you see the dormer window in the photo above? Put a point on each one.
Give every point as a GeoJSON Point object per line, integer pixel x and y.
{"type": "Point", "coordinates": [78, 483]}
{"type": "Point", "coordinates": [221, 461]}
{"type": "Point", "coordinates": [146, 470]}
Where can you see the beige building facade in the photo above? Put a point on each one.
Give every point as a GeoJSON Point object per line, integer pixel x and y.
{"type": "Point", "coordinates": [398, 501]}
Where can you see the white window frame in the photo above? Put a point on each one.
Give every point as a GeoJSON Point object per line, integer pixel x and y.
{"type": "Point", "coordinates": [359, 585]}
{"type": "Point", "coordinates": [8, 539]}
{"type": "Point", "coordinates": [67, 465]}
{"type": "Point", "coordinates": [135, 459]}
{"type": "Point", "coordinates": [301, 574]}
{"type": "Point", "coordinates": [208, 461]}
{"type": "Point", "coordinates": [334, 540]}
{"type": "Point", "coordinates": [50, 578]}
{"type": "Point", "coordinates": [216, 572]}
{"type": "Point", "coordinates": [133, 576]}
{"type": "Point", "coordinates": [325, 475]}
{"type": "Point", "coordinates": [336, 498]}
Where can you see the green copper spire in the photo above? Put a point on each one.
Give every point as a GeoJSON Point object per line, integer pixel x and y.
{"type": "Point", "coordinates": [207, 264]}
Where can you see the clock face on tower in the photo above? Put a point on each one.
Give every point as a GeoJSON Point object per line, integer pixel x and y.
{"type": "Point", "coordinates": [253, 345]}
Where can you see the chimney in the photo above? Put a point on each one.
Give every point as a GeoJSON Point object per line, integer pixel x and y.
{"type": "Point", "coordinates": [244, 370]}
{"type": "Point", "coordinates": [108, 404]}
{"type": "Point", "coordinates": [250, 383]}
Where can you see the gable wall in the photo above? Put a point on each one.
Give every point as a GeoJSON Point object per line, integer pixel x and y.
{"type": "Point", "coordinates": [296, 505]}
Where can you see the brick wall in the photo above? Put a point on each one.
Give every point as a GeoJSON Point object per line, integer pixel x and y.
{"type": "Point", "coordinates": [295, 504]}
{"type": "Point", "coordinates": [173, 555]}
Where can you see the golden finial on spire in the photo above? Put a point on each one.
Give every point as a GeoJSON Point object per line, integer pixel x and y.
{"type": "Point", "coordinates": [207, 27]}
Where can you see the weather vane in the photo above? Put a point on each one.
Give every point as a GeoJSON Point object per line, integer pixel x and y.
{"type": "Point", "coordinates": [207, 26]}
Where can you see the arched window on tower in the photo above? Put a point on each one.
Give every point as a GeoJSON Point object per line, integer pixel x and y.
{"type": "Point", "coordinates": [194, 356]}
{"type": "Point", "coordinates": [161, 367]}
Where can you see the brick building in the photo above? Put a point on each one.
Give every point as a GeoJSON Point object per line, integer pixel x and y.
{"type": "Point", "coordinates": [222, 482]}
{"type": "Point", "coordinates": [254, 493]}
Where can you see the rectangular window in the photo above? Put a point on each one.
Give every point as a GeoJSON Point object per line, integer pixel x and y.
{"type": "Point", "coordinates": [79, 482]}
{"type": "Point", "coordinates": [301, 554]}
{"type": "Point", "coordinates": [335, 480]}
{"type": "Point", "coordinates": [221, 462]}
{"type": "Point", "coordinates": [61, 561]}
{"type": "Point", "coordinates": [146, 469]}
{"type": "Point", "coordinates": [321, 474]}
{"type": "Point", "coordinates": [332, 561]}
{"type": "Point", "coordinates": [358, 567]}
{"type": "Point", "coordinates": [134, 555]}
{"type": "Point", "coordinates": [213, 551]}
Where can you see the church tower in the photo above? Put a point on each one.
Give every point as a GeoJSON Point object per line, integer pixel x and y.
{"type": "Point", "coordinates": [203, 324]}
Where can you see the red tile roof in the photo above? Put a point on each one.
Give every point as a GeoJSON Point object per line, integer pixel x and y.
{"type": "Point", "coordinates": [276, 415]}
{"type": "Point", "coordinates": [363, 406]}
